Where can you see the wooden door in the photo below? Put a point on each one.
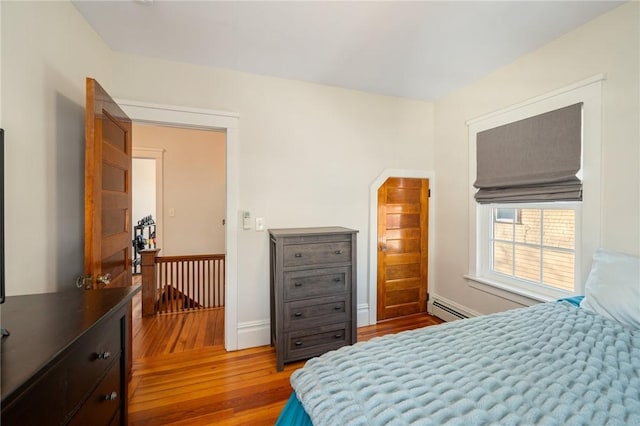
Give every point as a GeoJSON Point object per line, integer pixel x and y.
{"type": "Point", "coordinates": [403, 211]}
{"type": "Point", "coordinates": [107, 248]}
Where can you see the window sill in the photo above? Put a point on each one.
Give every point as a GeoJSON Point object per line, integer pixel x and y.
{"type": "Point", "coordinates": [505, 291]}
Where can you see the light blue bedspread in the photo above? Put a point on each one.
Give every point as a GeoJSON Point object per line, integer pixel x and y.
{"type": "Point", "coordinates": [550, 364]}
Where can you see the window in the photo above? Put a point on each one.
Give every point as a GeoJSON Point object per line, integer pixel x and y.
{"type": "Point", "coordinates": [535, 161]}
{"type": "Point", "coordinates": [533, 246]}
{"type": "Point", "coordinates": [523, 249]}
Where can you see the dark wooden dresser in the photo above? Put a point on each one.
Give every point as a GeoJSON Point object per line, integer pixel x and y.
{"type": "Point", "coordinates": [313, 291]}
{"type": "Point", "coordinates": [66, 359]}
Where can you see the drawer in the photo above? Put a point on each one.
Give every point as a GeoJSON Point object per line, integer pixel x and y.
{"type": "Point", "coordinates": [316, 238]}
{"type": "Point", "coordinates": [309, 343]}
{"type": "Point", "coordinates": [94, 354]}
{"type": "Point", "coordinates": [319, 311]}
{"type": "Point", "coordinates": [105, 401]}
{"type": "Point", "coordinates": [316, 254]}
{"type": "Point", "coordinates": [43, 402]}
{"type": "Point", "coordinates": [66, 384]}
{"type": "Point", "coordinates": [316, 282]}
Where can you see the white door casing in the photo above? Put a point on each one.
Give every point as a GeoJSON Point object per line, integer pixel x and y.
{"type": "Point", "coordinates": [204, 119]}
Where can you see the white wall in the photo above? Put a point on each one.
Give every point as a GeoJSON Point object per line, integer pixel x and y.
{"type": "Point", "coordinates": [609, 44]}
{"type": "Point", "coordinates": [143, 183]}
{"type": "Point", "coordinates": [307, 152]}
{"type": "Point", "coordinates": [47, 51]}
{"type": "Point", "coordinates": [193, 187]}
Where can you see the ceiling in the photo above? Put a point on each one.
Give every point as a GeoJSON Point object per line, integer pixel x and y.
{"type": "Point", "coordinates": [421, 49]}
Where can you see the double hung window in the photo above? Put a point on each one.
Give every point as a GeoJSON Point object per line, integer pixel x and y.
{"type": "Point", "coordinates": [533, 246]}
{"type": "Point", "coordinates": [529, 217]}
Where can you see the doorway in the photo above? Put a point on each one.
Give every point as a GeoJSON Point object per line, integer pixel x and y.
{"type": "Point", "coordinates": [403, 229]}
{"type": "Point", "coordinates": [176, 116]}
{"type": "Point", "coordinates": [146, 185]}
{"type": "Point", "coordinates": [425, 241]}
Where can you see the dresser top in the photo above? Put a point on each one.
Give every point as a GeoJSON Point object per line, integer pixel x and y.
{"type": "Point", "coordinates": [43, 326]}
{"type": "Point", "coordinates": [292, 232]}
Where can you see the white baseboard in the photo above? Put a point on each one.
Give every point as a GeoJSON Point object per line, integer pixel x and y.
{"type": "Point", "coordinates": [362, 315]}
{"type": "Point", "coordinates": [448, 310]}
{"type": "Point", "coordinates": [254, 333]}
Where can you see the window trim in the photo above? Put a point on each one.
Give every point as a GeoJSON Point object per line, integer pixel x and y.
{"type": "Point", "coordinates": [588, 232]}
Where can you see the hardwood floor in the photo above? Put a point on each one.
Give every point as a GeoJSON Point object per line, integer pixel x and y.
{"type": "Point", "coordinates": [183, 376]}
{"type": "Point", "coordinates": [177, 332]}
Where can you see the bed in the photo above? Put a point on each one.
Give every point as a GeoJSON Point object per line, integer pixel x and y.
{"type": "Point", "coordinates": [573, 361]}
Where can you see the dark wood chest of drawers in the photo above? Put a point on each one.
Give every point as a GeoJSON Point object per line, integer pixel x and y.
{"type": "Point", "coordinates": [313, 291]}
{"type": "Point", "coordinates": [66, 359]}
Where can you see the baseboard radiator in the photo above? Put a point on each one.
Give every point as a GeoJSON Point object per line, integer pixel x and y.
{"type": "Point", "coordinates": [447, 310]}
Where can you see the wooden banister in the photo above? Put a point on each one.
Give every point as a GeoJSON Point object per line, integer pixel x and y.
{"type": "Point", "coordinates": [168, 259]}
{"type": "Point", "coordinates": [148, 267]}
{"type": "Point", "coordinates": [181, 283]}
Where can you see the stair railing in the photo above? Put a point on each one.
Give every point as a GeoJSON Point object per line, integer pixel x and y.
{"type": "Point", "coordinates": [181, 283]}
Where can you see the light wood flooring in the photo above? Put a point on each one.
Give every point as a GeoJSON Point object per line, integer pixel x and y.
{"type": "Point", "coordinates": [182, 375]}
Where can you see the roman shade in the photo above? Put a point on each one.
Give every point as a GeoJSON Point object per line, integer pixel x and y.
{"type": "Point", "coordinates": [531, 160]}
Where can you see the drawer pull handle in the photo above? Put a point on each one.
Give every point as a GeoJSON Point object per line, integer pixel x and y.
{"type": "Point", "coordinates": [337, 308]}
{"type": "Point", "coordinates": [337, 280]}
{"type": "Point", "coordinates": [337, 336]}
{"type": "Point", "coordinates": [298, 314]}
{"type": "Point", "coordinates": [298, 343]}
{"type": "Point", "coordinates": [297, 284]}
{"type": "Point", "coordinates": [104, 355]}
{"type": "Point", "coordinates": [338, 252]}
{"type": "Point", "coordinates": [111, 397]}
{"type": "Point", "coordinates": [298, 255]}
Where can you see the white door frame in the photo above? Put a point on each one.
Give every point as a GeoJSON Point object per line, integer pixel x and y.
{"type": "Point", "coordinates": [373, 230]}
{"type": "Point", "coordinates": [197, 118]}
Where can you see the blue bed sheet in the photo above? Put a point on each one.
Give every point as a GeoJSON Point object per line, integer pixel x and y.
{"type": "Point", "coordinates": [293, 414]}
{"type": "Point", "coordinates": [575, 300]}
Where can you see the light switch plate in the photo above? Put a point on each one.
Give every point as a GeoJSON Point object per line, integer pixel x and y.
{"type": "Point", "coordinates": [259, 224]}
{"type": "Point", "coordinates": [246, 220]}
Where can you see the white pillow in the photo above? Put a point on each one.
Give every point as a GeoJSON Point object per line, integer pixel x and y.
{"type": "Point", "coordinates": [613, 287]}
